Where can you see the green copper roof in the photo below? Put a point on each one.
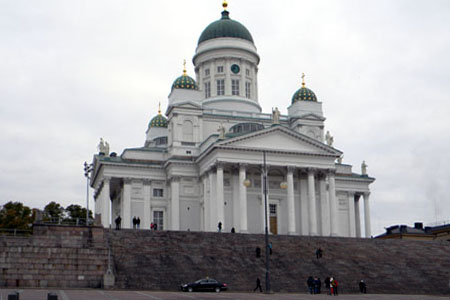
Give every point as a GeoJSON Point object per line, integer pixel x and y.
{"type": "Point", "coordinates": [225, 27]}
{"type": "Point", "coordinates": [304, 94]}
{"type": "Point", "coordinates": [158, 121]}
{"type": "Point", "coordinates": [184, 82]}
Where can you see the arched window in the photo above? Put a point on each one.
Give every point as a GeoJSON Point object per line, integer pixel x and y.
{"type": "Point", "coordinates": [188, 131]}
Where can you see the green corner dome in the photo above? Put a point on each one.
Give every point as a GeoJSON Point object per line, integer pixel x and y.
{"type": "Point", "coordinates": [225, 27]}
{"type": "Point", "coordinates": [158, 121]}
{"type": "Point", "coordinates": [304, 94]}
{"type": "Point", "coordinates": [185, 82]}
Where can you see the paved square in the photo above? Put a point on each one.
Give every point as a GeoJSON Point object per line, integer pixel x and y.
{"type": "Point", "coordinates": [97, 294]}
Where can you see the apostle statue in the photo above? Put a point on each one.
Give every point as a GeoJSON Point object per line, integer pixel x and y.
{"type": "Point", "coordinates": [103, 147]}
{"type": "Point", "coordinates": [275, 116]}
{"type": "Point", "coordinates": [364, 168]}
{"type": "Point", "coordinates": [339, 160]}
{"type": "Point", "coordinates": [329, 139]}
{"type": "Point", "coordinates": [221, 131]}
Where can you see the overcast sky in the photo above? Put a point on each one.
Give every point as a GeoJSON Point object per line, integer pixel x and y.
{"type": "Point", "coordinates": [74, 71]}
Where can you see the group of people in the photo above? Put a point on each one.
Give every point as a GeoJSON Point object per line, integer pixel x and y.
{"type": "Point", "coordinates": [136, 223]}
{"type": "Point", "coordinates": [315, 285]}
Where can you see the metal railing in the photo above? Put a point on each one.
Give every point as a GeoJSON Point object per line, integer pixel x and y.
{"type": "Point", "coordinates": [15, 232]}
{"type": "Point", "coordinates": [67, 221]}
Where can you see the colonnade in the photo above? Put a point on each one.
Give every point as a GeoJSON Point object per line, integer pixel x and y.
{"type": "Point", "coordinates": [312, 223]}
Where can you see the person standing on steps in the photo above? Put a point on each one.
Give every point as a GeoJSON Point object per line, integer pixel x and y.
{"type": "Point", "coordinates": [362, 287]}
{"type": "Point", "coordinates": [319, 253]}
{"type": "Point", "coordinates": [219, 227]}
{"type": "Point", "coordinates": [310, 284]}
{"type": "Point", "coordinates": [334, 286]}
{"type": "Point", "coordinates": [118, 220]}
{"type": "Point", "coordinates": [327, 285]}
{"type": "Point", "coordinates": [233, 230]}
{"type": "Point", "coordinates": [258, 285]}
{"type": "Point", "coordinates": [138, 223]}
{"type": "Point", "coordinates": [134, 222]}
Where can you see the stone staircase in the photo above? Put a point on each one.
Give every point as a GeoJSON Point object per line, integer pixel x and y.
{"type": "Point", "coordinates": [162, 260]}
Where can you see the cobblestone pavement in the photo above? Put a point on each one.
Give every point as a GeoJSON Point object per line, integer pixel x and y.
{"type": "Point", "coordinates": [41, 294]}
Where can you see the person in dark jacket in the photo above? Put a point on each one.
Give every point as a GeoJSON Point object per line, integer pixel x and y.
{"type": "Point", "coordinates": [258, 285]}
{"type": "Point", "coordinates": [219, 227]}
{"type": "Point", "coordinates": [362, 287]}
{"type": "Point", "coordinates": [327, 285]}
{"type": "Point", "coordinates": [138, 223]}
{"type": "Point", "coordinates": [134, 222]}
{"type": "Point", "coordinates": [118, 221]}
{"type": "Point", "coordinates": [310, 283]}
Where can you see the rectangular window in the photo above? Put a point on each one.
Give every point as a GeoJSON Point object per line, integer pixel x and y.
{"type": "Point", "coordinates": [158, 192]}
{"type": "Point", "coordinates": [247, 89]}
{"type": "Point", "coordinates": [206, 72]}
{"type": "Point", "coordinates": [220, 87]}
{"type": "Point", "coordinates": [220, 69]}
{"type": "Point", "coordinates": [235, 87]}
{"type": "Point", "coordinates": [273, 209]}
{"type": "Point", "coordinates": [158, 219]}
{"type": "Point", "coordinates": [247, 72]}
{"type": "Point", "coordinates": [207, 89]}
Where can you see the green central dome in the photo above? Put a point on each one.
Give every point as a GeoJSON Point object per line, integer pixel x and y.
{"type": "Point", "coordinates": [225, 27]}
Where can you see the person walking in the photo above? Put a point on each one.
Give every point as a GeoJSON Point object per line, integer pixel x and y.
{"type": "Point", "coordinates": [258, 285]}
{"type": "Point", "coordinates": [219, 227]}
{"type": "Point", "coordinates": [118, 220]}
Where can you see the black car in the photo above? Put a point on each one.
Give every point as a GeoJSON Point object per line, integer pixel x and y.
{"type": "Point", "coordinates": [204, 285]}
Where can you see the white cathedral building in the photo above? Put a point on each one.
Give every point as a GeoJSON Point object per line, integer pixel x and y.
{"type": "Point", "coordinates": [202, 163]}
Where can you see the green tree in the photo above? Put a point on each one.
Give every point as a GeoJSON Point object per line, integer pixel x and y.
{"type": "Point", "coordinates": [75, 211]}
{"type": "Point", "coordinates": [53, 212]}
{"type": "Point", "coordinates": [15, 215]}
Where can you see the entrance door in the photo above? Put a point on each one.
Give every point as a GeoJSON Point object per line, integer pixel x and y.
{"type": "Point", "coordinates": [273, 219]}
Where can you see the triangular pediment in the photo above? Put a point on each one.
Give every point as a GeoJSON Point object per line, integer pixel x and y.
{"type": "Point", "coordinates": [281, 139]}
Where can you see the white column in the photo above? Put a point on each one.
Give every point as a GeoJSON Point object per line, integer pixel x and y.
{"type": "Point", "coordinates": [367, 215]}
{"type": "Point", "coordinates": [324, 207]}
{"type": "Point", "coordinates": [290, 201]}
{"type": "Point", "coordinates": [357, 217]}
{"type": "Point", "coordinates": [333, 206]}
{"type": "Point", "coordinates": [219, 196]}
{"type": "Point", "coordinates": [212, 202]}
{"type": "Point", "coordinates": [175, 203]}
{"type": "Point", "coordinates": [304, 205]}
{"type": "Point", "coordinates": [351, 214]}
{"type": "Point", "coordinates": [106, 203]}
{"type": "Point", "coordinates": [206, 203]}
{"type": "Point", "coordinates": [147, 204]}
{"type": "Point", "coordinates": [312, 203]}
{"type": "Point", "coordinates": [126, 204]}
{"type": "Point", "coordinates": [243, 198]}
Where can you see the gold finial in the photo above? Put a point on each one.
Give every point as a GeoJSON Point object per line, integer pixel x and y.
{"type": "Point", "coordinates": [184, 68]}
{"type": "Point", "coordinates": [159, 108]}
{"type": "Point", "coordinates": [225, 4]}
{"type": "Point", "coordinates": [303, 80]}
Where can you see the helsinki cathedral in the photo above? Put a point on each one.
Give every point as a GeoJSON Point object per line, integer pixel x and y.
{"type": "Point", "coordinates": [208, 157]}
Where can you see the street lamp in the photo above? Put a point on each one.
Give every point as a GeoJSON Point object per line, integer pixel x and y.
{"type": "Point", "coordinates": [87, 171]}
{"type": "Point", "coordinates": [266, 225]}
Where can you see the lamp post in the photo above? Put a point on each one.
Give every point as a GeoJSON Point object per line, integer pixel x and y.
{"type": "Point", "coordinates": [266, 225]}
{"type": "Point", "coordinates": [87, 171]}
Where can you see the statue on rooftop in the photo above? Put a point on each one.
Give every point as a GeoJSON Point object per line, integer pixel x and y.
{"type": "Point", "coordinates": [103, 147]}
{"type": "Point", "coordinates": [364, 168]}
{"type": "Point", "coordinates": [329, 139]}
{"type": "Point", "coordinates": [275, 116]}
{"type": "Point", "coordinates": [221, 131]}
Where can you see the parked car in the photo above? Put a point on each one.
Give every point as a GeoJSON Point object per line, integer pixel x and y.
{"type": "Point", "coordinates": [204, 285]}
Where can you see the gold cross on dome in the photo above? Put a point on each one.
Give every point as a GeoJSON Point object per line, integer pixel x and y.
{"type": "Point", "coordinates": [303, 79]}
{"type": "Point", "coordinates": [184, 67]}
